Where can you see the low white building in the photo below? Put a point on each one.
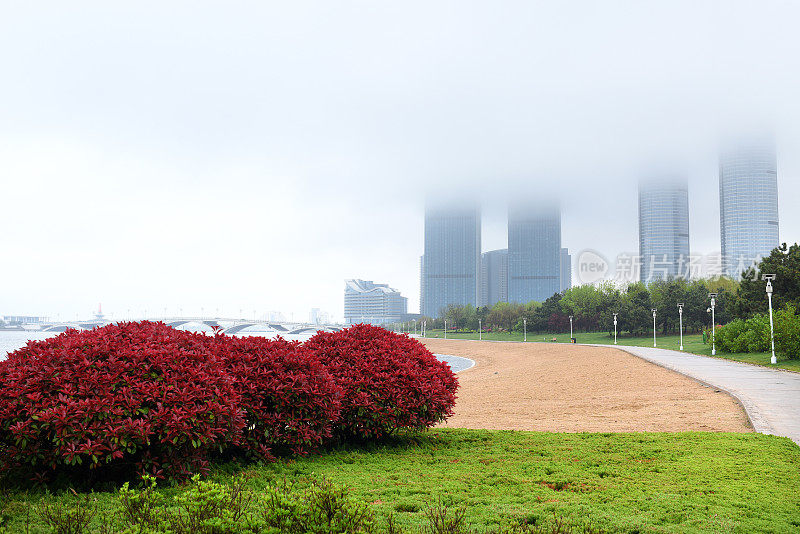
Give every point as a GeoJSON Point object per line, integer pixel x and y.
{"type": "Point", "coordinates": [368, 302]}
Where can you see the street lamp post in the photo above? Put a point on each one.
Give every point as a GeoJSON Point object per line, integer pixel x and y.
{"type": "Point", "coordinates": [570, 328]}
{"type": "Point", "coordinates": [654, 326]}
{"type": "Point", "coordinates": [769, 278]}
{"type": "Point", "coordinates": [525, 329]}
{"type": "Point", "coordinates": [713, 297]}
{"type": "Point", "coordinates": [480, 332]}
{"type": "Point", "coordinates": [680, 315]}
{"type": "Point", "coordinates": [615, 329]}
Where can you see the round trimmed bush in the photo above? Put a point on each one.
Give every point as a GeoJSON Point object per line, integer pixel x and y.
{"type": "Point", "coordinates": [290, 401]}
{"type": "Point", "coordinates": [115, 401]}
{"type": "Point", "coordinates": [389, 381]}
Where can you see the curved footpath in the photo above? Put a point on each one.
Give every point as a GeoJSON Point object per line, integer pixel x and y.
{"type": "Point", "coordinates": [770, 397]}
{"type": "Point", "coordinates": [456, 363]}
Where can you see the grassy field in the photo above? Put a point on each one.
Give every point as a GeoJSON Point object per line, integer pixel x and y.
{"type": "Point", "coordinates": [645, 482]}
{"type": "Point", "coordinates": [691, 343]}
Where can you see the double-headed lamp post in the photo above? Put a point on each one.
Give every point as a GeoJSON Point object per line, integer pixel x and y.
{"type": "Point", "coordinates": [680, 315]}
{"type": "Point", "coordinates": [615, 329]}
{"type": "Point", "coordinates": [570, 328]}
{"type": "Point", "coordinates": [769, 278]}
{"type": "Point", "coordinates": [713, 297]}
{"type": "Point", "coordinates": [654, 326]}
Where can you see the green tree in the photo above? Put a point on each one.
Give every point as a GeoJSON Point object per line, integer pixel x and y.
{"type": "Point", "coordinates": [665, 296]}
{"type": "Point", "coordinates": [635, 315]}
{"type": "Point", "coordinates": [751, 297]}
{"type": "Point", "coordinates": [461, 317]}
{"type": "Point", "coordinates": [504, 315]}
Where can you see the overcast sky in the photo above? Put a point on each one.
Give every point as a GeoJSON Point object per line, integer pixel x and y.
{"type": "Point", "coordinates": [253, 155]}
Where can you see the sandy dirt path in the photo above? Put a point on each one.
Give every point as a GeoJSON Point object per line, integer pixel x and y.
{"type": "Point", "coordinates": [570, 388]}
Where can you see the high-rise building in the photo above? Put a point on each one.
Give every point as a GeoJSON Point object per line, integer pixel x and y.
{"type": "Point", "coordinates": [663, 227]}
{"type": "Point", "coordinates": [451, 263]}
{"type": "Point", "coordinates": [318, 316]}
{"type": "Point", "coordinates": [368, 302]}
{"type": "Point", "coordinates": [494, 277]}
{"type": "Point", "coordinates": [565, 270]}
{"type": "Point", "coordinates": [534, 252]}
{"type": "Point", "coordinates": [748, 204]}
{"type": "Point", "coordinates": [422, 284]}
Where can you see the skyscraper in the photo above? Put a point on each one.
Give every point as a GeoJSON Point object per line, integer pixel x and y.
{"type": "Point", "coordinates": [663, 227]}
{"type": "Point", "coordinates": [494, 277]}
{"type": "Point", "coordinates": [451, 263]}
{"type": "Point", "coordinates": [566, 270]}
{"type": "Point", "coordinates": [534, 252]}
{"type": "Point", "coordinates": [748, 204]}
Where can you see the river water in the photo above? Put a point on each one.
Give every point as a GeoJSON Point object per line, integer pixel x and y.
{"type": "Point", "coordinates": [12, 340]}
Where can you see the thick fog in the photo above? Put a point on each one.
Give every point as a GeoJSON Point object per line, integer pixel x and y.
{"type": "Point", "coordinates": [251, 156]}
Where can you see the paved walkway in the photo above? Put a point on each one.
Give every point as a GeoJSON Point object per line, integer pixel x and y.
{"type": "Point", "coordinates": [770, 397]}
{"type": "Point", "coordinates": [456, 363]}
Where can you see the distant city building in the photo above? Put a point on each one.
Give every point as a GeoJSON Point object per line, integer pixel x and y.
{"type": "Point", "coordinates": [368, 302]}
{"type": "Point", "coordinates": [748, 202]}
{"type": "Point", "coordinates": [494, 277]}
{"type": "Point", "coordinates": [534, 252]}
{"type": "Point", "coordinates": [566, 269]}
{"type": "Point", "coordinates": [276, 316]}
{"type": "Point", "coordinates": [422, 285]}
{"type": "Point", "coordinates": [663, 228]}
{"type": "Point", "coordinates": [451, 264]}
{"type": "Point", "coordinates": [317, 316]}
{"type": "Point", "coordinates": [24, 319]}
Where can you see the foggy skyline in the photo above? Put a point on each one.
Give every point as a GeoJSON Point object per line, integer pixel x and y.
{"type": "Point", "coordinates": [254, 156]}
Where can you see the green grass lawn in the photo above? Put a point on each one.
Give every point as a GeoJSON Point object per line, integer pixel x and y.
{"type": "Point", "coordinates": [642, 482]}
{"type": "Point", "coordinates": [691, 343]}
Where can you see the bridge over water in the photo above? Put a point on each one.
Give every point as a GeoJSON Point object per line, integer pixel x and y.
{"type": "Point", "coordinates": [222, 325]}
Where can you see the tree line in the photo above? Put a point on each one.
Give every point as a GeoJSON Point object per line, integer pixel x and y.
{"type": "Point", "coordinates": [592, 306]}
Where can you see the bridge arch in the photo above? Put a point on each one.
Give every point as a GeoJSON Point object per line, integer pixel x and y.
{"type": "Point", "coordinates": [313, 329]}
{"type": "Point", "coordinates": [192, 325]}
{"type": "Point", "coordinates": [63, 327]}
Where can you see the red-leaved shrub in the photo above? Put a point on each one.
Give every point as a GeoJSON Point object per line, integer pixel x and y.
{"type": "Point", "coordinates": [290, 401]}
{"type": "Point", "coordinates": [390, 381]}
{"type": "Point", "coordinates": [121, 399]}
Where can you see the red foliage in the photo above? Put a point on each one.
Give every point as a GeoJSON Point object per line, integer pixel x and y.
{"type": "Point", "coordinates": [289, 398]}
{"type": "Point", "coordinates": [390, 381]}
{"type": "Point", "coordinates": [139, 397]}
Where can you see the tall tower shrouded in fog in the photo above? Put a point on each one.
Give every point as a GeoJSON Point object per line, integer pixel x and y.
{"type": "Point", "coordinates": [748, 204]}
{"type": "Point", "coordinates": [534, 252]}
{"type": "Point", "coordinates": [663, 227]}
{"type": "Point", "coordinates": [494, 277]}
{"type": "Point", "coordinates": [450, 269]}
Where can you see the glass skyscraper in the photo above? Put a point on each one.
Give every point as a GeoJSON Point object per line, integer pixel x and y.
{"type": "Point", "coordinates": [566, 269]}
{"type": "Point", "coordinates": [494, 277]}
{"type": "Point", "coordinates": [450, 268]}
{"type": "Point", "coordinates": [664, 228]}
{"type": "Point", "coordinates": [748, 205]}
{"type": "Point", "coordinates": [534, 252]}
